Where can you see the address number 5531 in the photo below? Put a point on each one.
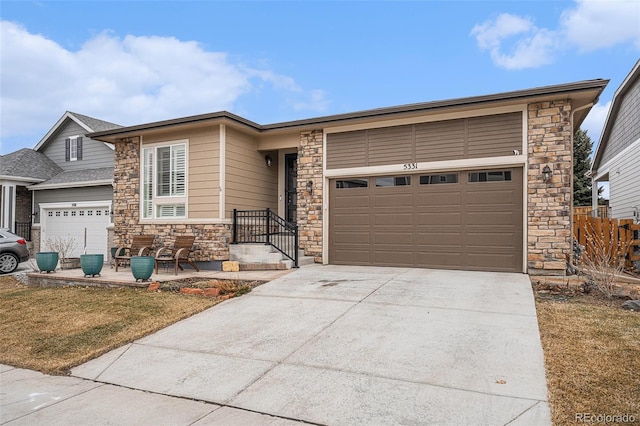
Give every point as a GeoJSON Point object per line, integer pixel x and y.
{"type": "Point", "coordinates": [410, 166]}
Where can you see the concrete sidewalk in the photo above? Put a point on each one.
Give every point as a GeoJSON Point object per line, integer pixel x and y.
{"type": "Point", "coordinates": [325, 345]}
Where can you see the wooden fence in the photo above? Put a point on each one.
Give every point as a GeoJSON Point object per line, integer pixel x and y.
{"type": "Point", "coordinates": [600, 235]}
{"type": "Point", "coordinates": [603, 211]}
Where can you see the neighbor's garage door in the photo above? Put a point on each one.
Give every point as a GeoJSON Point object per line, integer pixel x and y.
{"type": "Point", "coordinates": [68, 223]}
{"type": "Point", "coordinates": [454, 220]}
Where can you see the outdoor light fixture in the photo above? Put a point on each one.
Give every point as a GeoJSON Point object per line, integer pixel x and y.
{"type": "Point", "coordinates": [268, 160]}
{"type": "Point", "coordinates": [546, 174]}
{"type": "Point", "coordinates": [310, 187]}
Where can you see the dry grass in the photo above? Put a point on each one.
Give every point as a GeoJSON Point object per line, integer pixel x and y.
{"type": "Point", "coordinates": [592, 357]}
{"type": "Point", "coordinates": [54, 329]}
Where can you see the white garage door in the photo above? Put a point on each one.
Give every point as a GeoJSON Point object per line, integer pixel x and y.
{"type": "Point", "coordinates": [79, 223]}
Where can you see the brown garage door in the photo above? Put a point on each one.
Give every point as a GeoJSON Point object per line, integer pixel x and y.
{"type": "Point", "coordinates": [454, 220]}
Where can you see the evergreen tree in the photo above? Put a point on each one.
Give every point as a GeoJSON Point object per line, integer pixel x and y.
{"type": "Point", "coordinates": [582, 149]}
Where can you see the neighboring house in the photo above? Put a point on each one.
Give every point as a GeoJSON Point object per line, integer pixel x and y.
{"type": "Point", "coordinates": [18, 170]}
{"type": "Point", "coordinates": [73, 196]}
{"type": "Point", "coordinates": [454, 184]}
{"type": "Point", "coordinates": [617, 158]}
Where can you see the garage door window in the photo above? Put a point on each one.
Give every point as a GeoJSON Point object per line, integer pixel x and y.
{"type": "Point", "coordinates": [352, 183]}
{"type": "Point", "coordinates": [493, 176]}
{"type": "Point", "coordinates": [393, 181]}
{"type": "Point", "coordinates": [438, 179]}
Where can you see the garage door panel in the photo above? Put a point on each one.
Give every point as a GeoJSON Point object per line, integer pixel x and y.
{"type": "Point", "coordinates": [490, 219]}
{"type": "Point", "coordinates": [82, 225]}
{"type": "Point", "coordinates": [439, 238]}
{"type": "Point", "coordinates": [491, 239]}
{"type": "Point", "coordinates": [438, 199]}
{"type": "Point", "coordinates": [492, 197]}
{"type": "Point", "coordinates": [352, 237]}
{"type": "Point", "coordinates": [393, 200]}
{"type": "Point", "coordinates": [491, 261]}
{"type": "Point", "coordinates": [439, 259]}
{"type": "Point", "coordinates": [352, 219]}
{"type": "Point", "coordinates": [353, 200]}
{"type": "Point", "coordinates": [351, 257]}
{"type": "Point", "coordinates": [395, 257]}
{"type": "Point", "coordinates": [393, 237]}
{"type": "Point", "coordinates": [392, 218]}
{"type": "Point", "coordinates": [439, 218]}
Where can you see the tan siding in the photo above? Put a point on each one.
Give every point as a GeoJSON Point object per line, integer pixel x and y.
{"type": "Point", "coordinates": [203, 169]}
{"type": "Point", "coordinates": [495, 135]}
{"type": "Point", "coordinates": [391, 145]}
{"type": "Point", "coordinates": [440, 141]}
{"type": "Point", "coordinates": [250, 184]}
{"type": "Point", "coordinates": [346, 149]}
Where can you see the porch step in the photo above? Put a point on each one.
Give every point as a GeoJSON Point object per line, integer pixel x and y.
{"type": "Point", "coordinates": [255, 257]}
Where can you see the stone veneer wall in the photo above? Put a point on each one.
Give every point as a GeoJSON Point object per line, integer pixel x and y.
{"type": "Point", "coordinates": [310, 205]}
{"type": "Point", "coordinates": [212, 240]}
{"type": "Point", "coordinates": [550, 142]}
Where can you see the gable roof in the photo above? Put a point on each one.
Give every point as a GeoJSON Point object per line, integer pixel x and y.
{"type": "Point", "coordinates": [626, 85]}
{"type": "Point", "coordinates": [585, 93]}
{"type": "Point", "coordinates": [89, 124]}
{"type": "Point", "coordinates": [27, 164]}
{"type": "Point", "coordinates": [76, 178]}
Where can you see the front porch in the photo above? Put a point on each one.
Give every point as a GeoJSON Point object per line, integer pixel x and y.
{"type": "Point", "coordinates": [123, 278]}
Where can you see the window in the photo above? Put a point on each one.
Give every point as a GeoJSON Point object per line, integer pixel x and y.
{"type": "Point", "coordinates": [437, 179]}
{"type": "Point", "coordinates": [73, 148]}
{"type": "Point", "coordinates": [352, 183]}
{"type": "Point", "coordinates": [164, 181]}
{"type": "Point", "coordinates": [493, 176]}
{"type": "Point", "coordinates": [393, 181]}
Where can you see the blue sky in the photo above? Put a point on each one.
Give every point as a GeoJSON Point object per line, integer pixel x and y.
{"type": "Point", "coordinates": [136, 62]}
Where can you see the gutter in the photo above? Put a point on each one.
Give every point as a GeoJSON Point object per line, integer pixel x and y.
{"type": "Point", "coordinates": [38, 187]}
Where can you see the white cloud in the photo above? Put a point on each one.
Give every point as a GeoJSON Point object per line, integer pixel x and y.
{"type": "Point", "coordinates": [598, 24]}
{"type": "Point", "coordinates": [594, 122]}
{"type": "Point", "coordinates": [515, 42]}
{"type": "Point", "coordinates": [532, 47]}
{"type": "Point", "coordinates": [126, 80]}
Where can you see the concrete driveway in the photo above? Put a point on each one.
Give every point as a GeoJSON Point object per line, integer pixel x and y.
{"type": "Point", "coordinates": [352, 345]}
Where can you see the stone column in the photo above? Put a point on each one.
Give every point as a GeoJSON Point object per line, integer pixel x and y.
{"type": "Point", "coordinates": [549, 204]}
{"type": "Point", "coordinates": [126, 191]}
{"type": "Point", "coordinates": [310, 202]}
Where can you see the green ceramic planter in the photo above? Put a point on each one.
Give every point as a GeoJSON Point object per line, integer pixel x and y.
{"type": "Point", "coordinates": [142, 267]}
{"type": "Point", "coordinates": [47, 261]}
{"type": "Point", "coordinates": [91, 264]}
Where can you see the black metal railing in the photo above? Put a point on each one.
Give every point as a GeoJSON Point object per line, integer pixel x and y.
{"type": "Point", "coordinates": [266, 227]}
{"type": "Point", "coordinates": [23, 229]}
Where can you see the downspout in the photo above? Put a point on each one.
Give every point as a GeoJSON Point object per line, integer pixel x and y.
{"type": "Point", "coordinates": [594, 202]}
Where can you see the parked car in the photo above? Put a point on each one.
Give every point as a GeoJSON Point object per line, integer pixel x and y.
{"type": "Point", "coordinates": [13, 251]}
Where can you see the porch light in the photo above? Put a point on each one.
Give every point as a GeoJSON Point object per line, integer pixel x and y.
{"type": "Point", "coordinates": [546, 174]}
{"type": "Point", "coordinates": [268, 160]}
{"type": "Point", "coordinates": [310, 187]}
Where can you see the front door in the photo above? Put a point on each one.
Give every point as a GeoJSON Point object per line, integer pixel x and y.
{"type": "Point", "coordinates": [290, 187]}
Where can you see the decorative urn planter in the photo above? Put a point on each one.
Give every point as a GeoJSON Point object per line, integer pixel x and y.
{"type": "Point", "coordinates": [142, 267]}
{"type": "Point", "coordinates": [47, 261]}
{"type": "Point", "coordinates": [91, 264]}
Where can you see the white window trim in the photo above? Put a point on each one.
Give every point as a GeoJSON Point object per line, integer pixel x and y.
{"type": "Point", "coordinates": [73, 148]}
{"type": "Point", "coordinates": [159, 200]}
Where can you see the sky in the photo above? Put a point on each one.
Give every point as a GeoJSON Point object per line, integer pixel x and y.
{"type": "Point", "coordinates": [138, 62]}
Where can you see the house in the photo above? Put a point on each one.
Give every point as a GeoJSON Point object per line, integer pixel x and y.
{"type": "Point", "coordinates": [18, 170]}
{"type": "Point", "coordinates": [617, 158]}
{"type": "Point", "coordinates": [67, 191]}
{"type": "Point", "coordinates": [477, 183]}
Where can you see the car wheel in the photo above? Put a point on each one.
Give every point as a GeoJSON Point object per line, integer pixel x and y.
{"type": "Point", "coordinates": [8, 263]}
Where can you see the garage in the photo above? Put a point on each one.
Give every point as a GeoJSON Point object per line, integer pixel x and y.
{"type": "Point", "coordinates": [76, 222]}
{"type": "Point", "coordinates": [468, 219]}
